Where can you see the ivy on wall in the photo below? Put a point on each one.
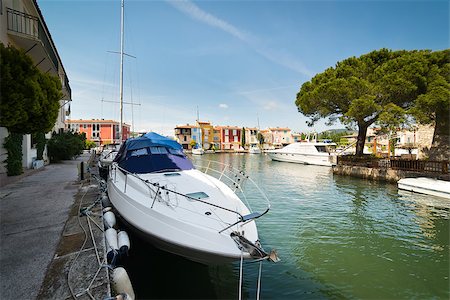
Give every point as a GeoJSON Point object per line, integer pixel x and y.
{"type": "Point", "coordinates": [13, 144]}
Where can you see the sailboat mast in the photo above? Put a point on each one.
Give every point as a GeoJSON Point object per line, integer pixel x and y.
{"type": "Point", "coordinates": [121, 68]}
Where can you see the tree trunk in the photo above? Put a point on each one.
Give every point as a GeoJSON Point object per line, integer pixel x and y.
{"type": "Point", "coordinates": [440, 148]}
{"type": "Point", "coordinates": [362, 132]}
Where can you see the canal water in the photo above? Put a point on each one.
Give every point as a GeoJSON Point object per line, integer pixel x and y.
{"type": "Point", "coordinates": [338, 238]}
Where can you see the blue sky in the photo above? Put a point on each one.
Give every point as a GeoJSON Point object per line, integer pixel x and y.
{"type": "Point", "coordinates": [235, 60]}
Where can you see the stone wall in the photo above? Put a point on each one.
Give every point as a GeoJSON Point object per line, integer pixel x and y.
{"type": "Point", "coordinates": [424, 140]}
{"type": "Point", "coordinates": [382, 174]}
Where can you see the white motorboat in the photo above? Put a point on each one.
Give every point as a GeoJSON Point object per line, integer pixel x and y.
{"type": "Point", "coordinates": [424, 185]}
{"type": "Point", "coordinates": [254, 150]}
{"type": "Point", "coordinates": [308, 153]}
{"type": "Point", "coordinates": [156, 189]}
{"type": "Point", "coordinates": [106, 158]}
{"type": "Point", "coordinates": [198, 151]}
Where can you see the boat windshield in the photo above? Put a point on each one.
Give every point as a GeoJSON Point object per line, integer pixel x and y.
{"type": "Point", "coordinates": [325, 149]}
{"type": "Point", "coordinates": [154, 159]}
{"type": "Point", "coordinates": [321, 149]}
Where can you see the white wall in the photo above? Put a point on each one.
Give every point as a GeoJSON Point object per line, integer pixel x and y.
{"type": "Point", "coordinates": [3, 152]}
{"type": "Point", "coordinates": [29, 154]}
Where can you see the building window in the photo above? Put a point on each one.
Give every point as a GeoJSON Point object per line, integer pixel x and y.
{"type": "Point", "coordinates": [185, 138]}
{"type": "Point", "coordinates": [234, 131]}
{"type": "Point", "coordinates": [226, 132]}
{"type": "Point", "coordinates": [84, 126]}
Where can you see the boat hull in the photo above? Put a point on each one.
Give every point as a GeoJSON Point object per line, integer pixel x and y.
{"type": "Point", "coordinates": [198, 151]}
{"type": "Point", "coordinates": [169, 227]}
{"type": "Point", "coordinates": [202, 257]}
{"type": "Point", "coordinates": [306, 159]}
{"type": "Point", "coordinates": [428, 186]}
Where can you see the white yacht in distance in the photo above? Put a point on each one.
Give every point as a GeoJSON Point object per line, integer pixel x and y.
{"type": "Point", "coordinates": [308, 153]}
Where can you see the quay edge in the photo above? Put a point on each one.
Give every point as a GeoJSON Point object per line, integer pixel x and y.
{"type": "Point", "coordinates": [387, 175]}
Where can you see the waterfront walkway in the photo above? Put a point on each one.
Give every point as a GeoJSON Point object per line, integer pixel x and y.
{"type": "Point", "coordinates": [33, 212]}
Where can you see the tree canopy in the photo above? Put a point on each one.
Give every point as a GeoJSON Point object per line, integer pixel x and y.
{"type": "Point", "coordinates": [380, 87]}
{"type": "Point", "coordinates": [30, 98]}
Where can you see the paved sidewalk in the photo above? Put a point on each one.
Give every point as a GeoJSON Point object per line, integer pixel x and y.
{"type": "Point", "coordinates": [33, 212]}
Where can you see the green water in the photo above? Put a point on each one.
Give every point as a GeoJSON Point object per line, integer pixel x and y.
{"type": "Point", "coordinates": [337, 237]}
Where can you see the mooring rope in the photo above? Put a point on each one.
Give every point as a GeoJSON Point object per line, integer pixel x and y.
{"type": "Point", "coordinates": [87, 212]}
{"type": "Point", "coordinates": [82, 246]}
{"type": "Point", "coordinates": [240, 275]}
{"type": "Point", "coordinates": [258, 290]}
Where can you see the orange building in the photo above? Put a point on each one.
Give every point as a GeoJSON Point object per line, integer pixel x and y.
{"type": "Point", "coordinates": [101, 132]}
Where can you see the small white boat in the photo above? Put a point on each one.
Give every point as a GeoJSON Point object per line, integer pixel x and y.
{"type": "Point", "coordinates": [424, 185]}
{"type": "Point", "coordinates": [157, 191]}
{"type": "Point", "coordinates": [254, 150]}
{"type": "Point", "coordinates": [308, 153]}
{"type": "Point", "coordinates": [198, 151]}
{"type": "Point", "coordinates": [106, 158]}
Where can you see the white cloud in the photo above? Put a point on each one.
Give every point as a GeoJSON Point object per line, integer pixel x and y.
{"type": "Point", "coordinates": [223, 105]}
{"type": "Point", "coordinates": [195, 12]}
{"type": "Point", "coordinates": [270, 105]}
{"type": "Point", "coordinates": [284, 59]}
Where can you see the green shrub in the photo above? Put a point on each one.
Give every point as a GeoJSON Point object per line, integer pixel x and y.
{"type": "Point", "coordinates": [40, 140]}
{"type": "Point", "coordinates": [66, 145]}
{"type": "Point", "coordinates": [89, 145]}
{"type": "Point", "coordinates": [13, 144]}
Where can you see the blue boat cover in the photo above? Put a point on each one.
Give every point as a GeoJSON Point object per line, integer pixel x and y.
{"type": "Point", "coordinates": [152, 153]}
{"type": "Point", "coordinates": [151, 139]}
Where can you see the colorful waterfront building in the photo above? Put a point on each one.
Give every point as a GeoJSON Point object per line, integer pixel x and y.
{"type": "Point", "coordinates": [281, 136]}
{"type": "Point", "coordinates": [102, 132]}
{"type": "Point", "coordinates": [183, 135]}
{"type": "Point", "coordinates": [207, 134]}
{"type": "Point", "coordinates": [230, 137]}
{"type": "Point", "coordinates": [217, 138]}
{"type": "Point", "coordinates": [251, 136]}
{"type": "Point", "coordinates": [267, 137]}
{"type": "Point", "coordinates": [297, 137]}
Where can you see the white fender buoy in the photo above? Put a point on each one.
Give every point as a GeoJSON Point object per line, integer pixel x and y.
{"type": "Point", "coordinates": [109, 219]}
{"type": "Point", "coordinates": [109, 208]}
{"type": "Point", "coordinates": [112, 249]}
{"type": "Point", "coordinates": [111, 239]}
{"type": "Point", "coordinates": [122, 296]}
{"type": "Point", "coordinates": [123, 242]}
{"type": "Point", "coordinates": [121, 282]}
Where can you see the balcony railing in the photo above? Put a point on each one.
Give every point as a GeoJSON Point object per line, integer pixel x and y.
{"type": "Point", "coordinates": [22, 23]}
{"type": "Point", "coordinates": [29, 25]}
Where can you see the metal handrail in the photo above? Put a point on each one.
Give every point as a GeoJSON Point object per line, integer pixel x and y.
{"type": "Point", "coordinates": [234, 171]}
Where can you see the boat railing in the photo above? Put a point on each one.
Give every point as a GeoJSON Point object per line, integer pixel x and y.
{"type": "Point", "coordinates": [156, 188]}
{"type": "Point", "coordinates": [233, 177]}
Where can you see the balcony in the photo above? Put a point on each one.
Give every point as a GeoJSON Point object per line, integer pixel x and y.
{"type": "Point", "coordinates": [30, 34]}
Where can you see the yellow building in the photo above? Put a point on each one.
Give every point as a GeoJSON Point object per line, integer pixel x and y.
{"type": "Point", "coordinates": [207, 134]}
